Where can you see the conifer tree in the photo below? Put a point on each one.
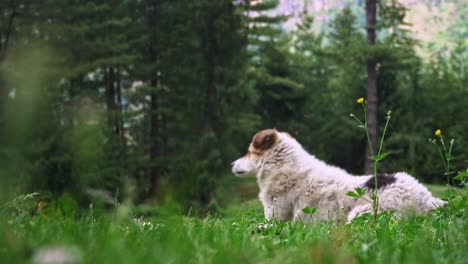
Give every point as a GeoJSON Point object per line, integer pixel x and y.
{"type": "Point", "coordinates": [280, 96]}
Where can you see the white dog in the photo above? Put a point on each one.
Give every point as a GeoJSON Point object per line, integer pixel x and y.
{"type": "Point", "coordinates": [291, 179]}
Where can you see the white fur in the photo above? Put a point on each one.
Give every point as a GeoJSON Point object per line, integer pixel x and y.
{"type": "Point", "coordinates": [291, 179]}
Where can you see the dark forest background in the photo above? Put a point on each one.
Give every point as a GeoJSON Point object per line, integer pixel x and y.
{"type": "Point", "coordinates": [150, 99]}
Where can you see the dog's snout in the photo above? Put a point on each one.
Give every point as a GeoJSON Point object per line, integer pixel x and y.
{"type": "Point", "coordinates": [243, 166]}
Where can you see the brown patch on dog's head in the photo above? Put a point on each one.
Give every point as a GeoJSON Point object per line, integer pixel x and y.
{"type": "Point", "coordinates": [263, 141]}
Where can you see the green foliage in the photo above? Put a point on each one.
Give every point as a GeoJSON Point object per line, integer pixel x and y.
{"type": "Point", "coordinates": [461, 176]}
{"type": "Point", "coordinates": [210, 75]}
{"type": "Point", "coordinates": [309, 211]}
{"type": "Point", "coordinates": [96, 94]}
{"type": "Point", "coordinates": [358, 193]}
{"type": "Point", "coordinates": [436, 237]}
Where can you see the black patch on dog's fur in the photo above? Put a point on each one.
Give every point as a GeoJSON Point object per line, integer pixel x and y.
{"type": "Point", "coordinates": [383, 179]}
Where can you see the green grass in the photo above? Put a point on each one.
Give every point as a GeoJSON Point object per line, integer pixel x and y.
{"type": "Point", "coordinates": [438, 190]}
{"type": "Point", "coordinates": [240, 236]}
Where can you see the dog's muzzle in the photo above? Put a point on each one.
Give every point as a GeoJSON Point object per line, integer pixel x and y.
{"type": "Point", "coordinates": [236, 170]}
{"type": "Point", "coordinates": [242, 167]}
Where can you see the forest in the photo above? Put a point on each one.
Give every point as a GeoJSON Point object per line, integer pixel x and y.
{"type": "Point", "coordinates": [150, 99]}
{"type": "Point", "coordinates": [119, 121]}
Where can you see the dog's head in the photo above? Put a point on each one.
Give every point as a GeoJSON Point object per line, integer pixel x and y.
{"type": "Point", "coordinates": [262, 145]}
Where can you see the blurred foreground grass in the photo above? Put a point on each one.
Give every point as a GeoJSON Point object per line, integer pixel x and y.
{"type": "Point", "coordinates": [241, 235]}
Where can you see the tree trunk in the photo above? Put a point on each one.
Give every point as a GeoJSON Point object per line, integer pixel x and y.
{"type": "Point", "coordinates": [120, 121]}
{"type": "Point", "coordinates": [372, 95]}
{"type": "Point", "coordinates": [155, 133]}
{"type": "Point", "coordinates": [110, 100]}
{"type": "Point", "coordinates": [9, 29]}
{"type": "Point", "coordinates": [6, 36]}
{"type": "Point", "coordinates": [3, 99]}
{"type": "Point", "coordinates": [210, 104]}
{"type": "Point", "coordinates": [209, 109]}
{"type": "Point", "coordinates": [74, 85]}
{"type": "Point", "coordinates": [155, 172]}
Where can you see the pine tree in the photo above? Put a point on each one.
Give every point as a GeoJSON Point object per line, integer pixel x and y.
{"type": "Point", "coordinates": [88, 42]}
{"type": "Point", "coordinates": [280, 96]}
{"type": "Point", "coordinates": [330, 67]}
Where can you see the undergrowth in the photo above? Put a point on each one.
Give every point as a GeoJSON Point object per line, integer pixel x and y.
{"type": "Point", "coordinates": [243, 236]}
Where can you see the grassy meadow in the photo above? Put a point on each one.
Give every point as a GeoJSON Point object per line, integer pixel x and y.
{"type": "Point", "coordinates": [237, 234]}
{"type": "Point", "coordinates": [119, 119]}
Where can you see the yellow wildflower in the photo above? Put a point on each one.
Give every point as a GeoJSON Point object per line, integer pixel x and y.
{"type": "Point", "coordinates": [360, 100]}
{"type": "Point", "coordinates": [438, 132]}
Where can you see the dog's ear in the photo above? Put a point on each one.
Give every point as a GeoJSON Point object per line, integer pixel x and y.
{"type": "Point", "coordinates": [265, 139]}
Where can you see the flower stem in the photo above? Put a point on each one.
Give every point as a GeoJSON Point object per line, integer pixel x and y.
{"type": "Point", "coordinates": [367, 129]}
{"type": "Point", "coordinates": [383, 135]}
